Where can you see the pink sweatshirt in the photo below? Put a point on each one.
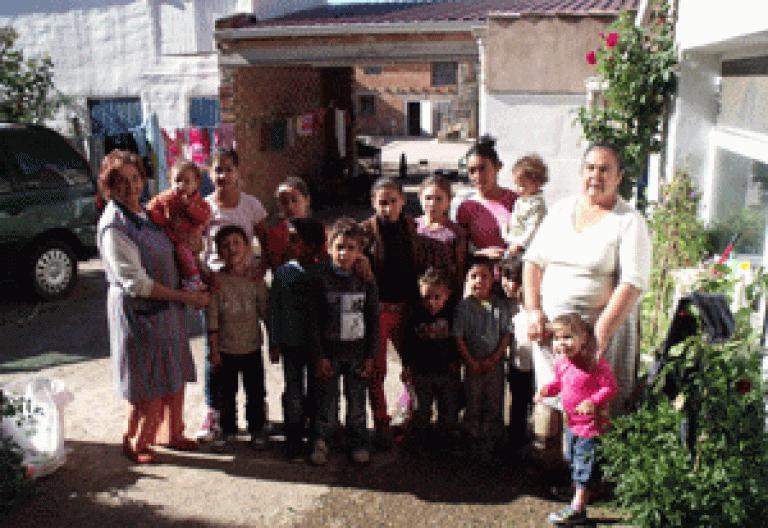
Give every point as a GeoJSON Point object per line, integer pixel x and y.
{"type": "Point", "coordinates": [575, 385]}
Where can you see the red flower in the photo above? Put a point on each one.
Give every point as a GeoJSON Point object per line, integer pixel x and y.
{"type": "Point", "coordinates": [601, 35]}
{"type": "Point", "coordinates": [743, 386]}
{"type": "Point", "coordinates": [612, 40]}
{"type": "Point", "coordinates": [591, 58]}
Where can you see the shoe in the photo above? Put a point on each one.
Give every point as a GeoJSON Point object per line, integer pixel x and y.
{"type": "Point", "coordinates": [210, 428]}
{"type": "Point", "coordinates": [568, 516]}
{"type": "Point", "coordinates": [319, 455]}
{"type": "Point", "coordinates": [361, 456]}
{"type": "Point", "coordinates": [258, 441]}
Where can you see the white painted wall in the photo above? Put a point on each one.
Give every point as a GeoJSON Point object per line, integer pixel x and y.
{"type": "Point", "coordinates": [704, 23]}
{"type": "Point", "coordinates": [159, 50]}
{"type": "Point", "coordinates": [692, 123]}
{"type": "Point", "coordinates": [541, 123]}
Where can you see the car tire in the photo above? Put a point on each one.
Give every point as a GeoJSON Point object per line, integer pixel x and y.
{"type": "Point", "coordinates": [53, 270]}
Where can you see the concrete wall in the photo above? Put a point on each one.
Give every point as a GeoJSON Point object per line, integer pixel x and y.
{"type": "Point", "coordinates": [524, 123]}
{"type": "Point", "coordinates": [541, 54]}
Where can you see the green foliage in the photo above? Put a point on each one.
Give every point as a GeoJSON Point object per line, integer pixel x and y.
{"type": "Point", "coordinates": [637, 65]}
{"type": "Point", "coordinates": [724, 481]}
{"type": "Point", "coordinates": [14, 484]}
{"type": "Point", "coordinates": [679, 240]}
{"type": "Point", "coordinates": [26, 85]}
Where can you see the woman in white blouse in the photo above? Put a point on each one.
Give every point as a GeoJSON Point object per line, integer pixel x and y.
{"type": "Point", "coordinates": [149, 344]}
{"type": "Point", "coordinates": [591, 256]}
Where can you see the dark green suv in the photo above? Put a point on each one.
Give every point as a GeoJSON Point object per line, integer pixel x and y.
{"type": "Point", "coordinates": [47, 209]}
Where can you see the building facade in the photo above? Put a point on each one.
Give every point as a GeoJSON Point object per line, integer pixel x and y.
{"type": "Point", "coordinates": [121, 60]}
{"type": "Point", "coordinates": [719, 129]}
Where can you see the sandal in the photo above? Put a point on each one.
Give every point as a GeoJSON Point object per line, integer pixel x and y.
{"type": "Point", "coordinates": [183, 444]}
{"type": "Point", "coordinates": [143, 456]}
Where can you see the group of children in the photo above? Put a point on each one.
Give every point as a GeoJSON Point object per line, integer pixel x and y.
{"type": "Point", "coordinates": [339, 295]}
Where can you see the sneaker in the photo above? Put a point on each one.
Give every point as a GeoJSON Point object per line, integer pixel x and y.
{"type": "Point", "coordinates": [258, 440]}
{"type": "Point", "coordinates": [319, 455]}
{"type": "Point", "coordinates": [210, 429]}
{"type": "Point", "coordinates": [568, 516]}
{"type": "Point", "coordinates": [361, 456]}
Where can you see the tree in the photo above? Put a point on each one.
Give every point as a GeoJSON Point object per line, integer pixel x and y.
{"type": "Point", "coordinates": [27, 94]}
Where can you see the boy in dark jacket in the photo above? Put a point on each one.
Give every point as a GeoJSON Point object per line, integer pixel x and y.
{"type": "Point", "coordinates": [343, 338]}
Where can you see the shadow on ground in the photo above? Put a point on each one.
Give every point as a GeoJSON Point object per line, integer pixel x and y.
{"type": "Point", "coordinates": [97, 488]}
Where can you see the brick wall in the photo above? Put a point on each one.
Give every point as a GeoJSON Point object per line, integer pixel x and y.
{"type": "Point", "coordinates": [392, 88]}
{"type": "Point", "coordinates": [253, 96]}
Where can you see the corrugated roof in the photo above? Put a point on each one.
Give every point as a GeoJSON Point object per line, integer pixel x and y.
{"type": "Point", "coordinates": [426, 11]}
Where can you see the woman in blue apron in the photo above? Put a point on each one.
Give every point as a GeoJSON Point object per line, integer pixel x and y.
{"type": "Point", "coordinates": [149, 343]}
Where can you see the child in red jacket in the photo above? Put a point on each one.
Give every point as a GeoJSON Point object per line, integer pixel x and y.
{"type": "Point", "coordinates": [182, 212]}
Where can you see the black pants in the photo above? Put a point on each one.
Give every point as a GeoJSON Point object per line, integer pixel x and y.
{"type": "Point", "coordinates": [521, 389]}
{"type": "Point", "coordinates": [300, 397]}
{"type": "Point", "coordinates": [251, 368]}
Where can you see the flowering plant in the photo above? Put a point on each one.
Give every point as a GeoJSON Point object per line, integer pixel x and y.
{"type": "Point", "coordinates": [637, 65]}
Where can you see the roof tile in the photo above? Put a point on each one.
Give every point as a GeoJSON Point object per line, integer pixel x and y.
{"type": "Point", "coordinates": [429, 11]}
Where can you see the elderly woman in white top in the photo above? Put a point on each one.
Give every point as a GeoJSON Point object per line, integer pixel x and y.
{"type": "Point", "coordinates": [148, 336]}
{"type": "Point", "coordinates": [591, 256]}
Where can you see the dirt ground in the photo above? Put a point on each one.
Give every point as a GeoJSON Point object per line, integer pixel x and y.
{"type": "Point", "coordinates": [98, 487]}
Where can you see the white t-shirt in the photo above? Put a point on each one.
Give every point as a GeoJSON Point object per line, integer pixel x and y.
{"type": "Point", "coordinates": [582, 269]}
{"type": "Point", "coordinates": [247, 214]}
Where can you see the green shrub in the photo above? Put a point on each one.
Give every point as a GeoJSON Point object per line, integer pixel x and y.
{"type": "Point", "coordinates": [723, 481]}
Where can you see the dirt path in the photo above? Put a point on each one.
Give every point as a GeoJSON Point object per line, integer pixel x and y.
{"type": "Point", "coordinates": [98, 487]}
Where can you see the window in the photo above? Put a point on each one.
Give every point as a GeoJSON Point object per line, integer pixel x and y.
{"type": "Point", "coordinates": [44, 161]}
{"type": "Point", "coordinates": [367, 105]}
{"type": "Point", "coordinates": [204, 111]}
{"type": "Point", "coordinates": [445, 73]}
{"type": "Point", "coordinates": [111, 117]}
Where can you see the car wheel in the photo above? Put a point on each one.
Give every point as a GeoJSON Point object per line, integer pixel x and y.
{"type": "Point", "coordinates": [54, 270]}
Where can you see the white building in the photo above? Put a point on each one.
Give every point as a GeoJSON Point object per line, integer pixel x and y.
{"type": "Point", "coordinates": [123, 59]}
{"type": "Point", "coordinates": [720, 125]}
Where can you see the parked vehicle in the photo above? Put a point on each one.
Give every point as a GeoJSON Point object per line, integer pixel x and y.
{"type": "Point", "coordinates": [47, 209]}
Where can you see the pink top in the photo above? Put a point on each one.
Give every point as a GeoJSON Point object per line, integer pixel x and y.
{"type": "Point", "coordinates": [575, 385]}
{"type": "Point", "coordinates": [483, 218]}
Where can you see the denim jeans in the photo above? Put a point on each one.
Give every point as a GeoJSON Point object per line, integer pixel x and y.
{"type": "Point", "coordinates": [299, 397]}
{"type": "Point", "coordinates": [582, 455]}
{"type": "Point", "coordinates": [355, 394]}
{"type": "Point", "coordinates": [251, 368]}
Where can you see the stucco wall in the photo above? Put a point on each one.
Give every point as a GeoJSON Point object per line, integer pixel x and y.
{"type": "Point", "coordinates": [541, 124]}
{"type": "Point", "coordinates": [541, 54]}
{"type": "Point", "coordinates": [704, 23]}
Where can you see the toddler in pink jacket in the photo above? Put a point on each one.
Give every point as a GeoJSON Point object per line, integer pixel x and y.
{"type": "Point", "coordinates": [585, 385]}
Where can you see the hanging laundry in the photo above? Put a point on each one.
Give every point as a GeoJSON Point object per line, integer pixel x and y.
{"type": "Point", "coordinates": [155, 138]}
{"type": "Point", "coordinates": [341, 133]}
{"type": "Point", "coordinates": [195, 146]}
{"type": "Point", "coordinates": [207, 133]}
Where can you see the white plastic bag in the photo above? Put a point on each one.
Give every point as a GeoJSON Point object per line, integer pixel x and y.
{"type": "Point", "coordinates": [38, 429]}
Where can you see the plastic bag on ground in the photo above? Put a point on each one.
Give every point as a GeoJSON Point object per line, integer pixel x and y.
{"type": "Point", "coordinates": [37, 427]}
